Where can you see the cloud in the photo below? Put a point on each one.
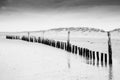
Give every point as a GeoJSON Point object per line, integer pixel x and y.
{"type": "Point", "coordinates": [3, 3]}
{"type": "Point", "coordinates": [58, 13]}
{"type": "Point", "coordinates": [61, 3]}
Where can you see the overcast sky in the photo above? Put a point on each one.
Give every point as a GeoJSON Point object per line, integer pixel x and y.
{"type": "Point", "coordinates": [31, 15]}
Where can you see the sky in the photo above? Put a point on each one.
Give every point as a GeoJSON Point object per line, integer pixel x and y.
{"type": "Point", "coordinates": [35, 15]}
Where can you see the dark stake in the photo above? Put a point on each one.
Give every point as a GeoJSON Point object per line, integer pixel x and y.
{"type": "Point", "coordinates": [90, 54]}
{"type": "Point", "coordinates": [102, 59]}
{"type": "Point", "coordinates": [97, 53]}
{"type": "Point", "coordinates": [93, 55]}
{"type": "Point", "coordinates": [66, 46]}
{"type": "Point", "coordinates": [28, 36]}
{"type": "Point", "coordinates": [87, 53]}
{"type": "Point", "coordinates": [106, 59]}
{"type": "Point", "coordinates": [84, 51]}
{"type": "Point", "coordinates": [73, 48]}
{"type": "Point", "coordinates": [68, 42]}
{"type": "Point", "coordinates": [81, 51]}
{"type": "Point", "coordinates": [109, 48]}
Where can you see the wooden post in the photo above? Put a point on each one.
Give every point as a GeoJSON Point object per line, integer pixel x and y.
{"type": "Point", "coordinates": [105, 59]}
{"type": "Point", "coordinates": [109, 48]}
{"type": "Point", "coordinates": [84, 51]}
{"type": "Point", "coordinates": [68, 49]}
{"type": "Point", "coordinates": [81, 51]}
{"type": "Point", "coordinates": [102, 59]}
{"type": "Point", "coordinates": [28, 36]}
{"type": "Point", "coordinates": [93, 57]}
{"type": "Point", "coordinates": [66, 46]}
{"type": "Point", "coordinates": [61, 44]}
{"type": "Point", "coordinates": [90, 54]}
{"type": "Point", "coordinates": [97, 54]}
{"type": "Point", "coordinates": [73, 48]}
{"type": "Point", "coordinates": [68, 36]}
{"type": "Point", "coordinates": [68, 41]}
{"type": "Point", "coordinates": [87, 52]}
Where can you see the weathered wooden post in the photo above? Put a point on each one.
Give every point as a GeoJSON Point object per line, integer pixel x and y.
{"type": "Point", "coordinates": [87, 52]}
{"type": "Point", "coordinates": [73, 49]}
{"type": "Point", "coordinates": [61, 45]}
{"type": "Point", "coordinates": [68, 41]}
{"type": "Point", "coordinates": [28, 36]}
{"type": "Point", "coordinates": [102, 59]}
{"type": "Point", "coordinates": [65, 46]}
{"type": "Point", "coordinates": [97, 54]}
{"type": "Point", "coordinates": [109, 48]}
{"type": "Point", "coordinates": [68, 49]}
{"type": "Point", "coordinates": [78, 50]}
{"type": "Point", "coordinates": [68, 36]}
{"type": "Point", "coordinates": [81, 51]}
{"type": "Point", "coordinates": [93, 57]}
{"type": "Point", "coordinates": [90, 54]}
{"type": "Point", "coordinates": [106, 59]}
{"type": "Point", "coordinates": [39, 40]}
{"type": "Point", "coordinates": [84, 51]}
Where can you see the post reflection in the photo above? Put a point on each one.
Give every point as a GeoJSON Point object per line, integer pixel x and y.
{"type": "Point", "coordinates": [110, 72]}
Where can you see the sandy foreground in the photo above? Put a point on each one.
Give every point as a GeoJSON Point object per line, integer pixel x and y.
{"type": "Point", "coordinates": [21, 60]}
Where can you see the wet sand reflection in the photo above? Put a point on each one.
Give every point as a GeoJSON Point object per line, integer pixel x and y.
{"type": "Point", "coordinates": [110, 72]}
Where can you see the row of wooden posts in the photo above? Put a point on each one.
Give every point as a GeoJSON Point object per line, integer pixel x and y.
{"type": "Point", "coordinates": [93, 56]}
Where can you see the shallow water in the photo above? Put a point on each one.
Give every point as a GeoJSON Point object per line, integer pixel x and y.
{"type": "Point", "coordinates": [93, 70]}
